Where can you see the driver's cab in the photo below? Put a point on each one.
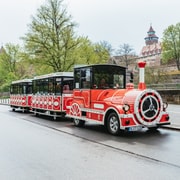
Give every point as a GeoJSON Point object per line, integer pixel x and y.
{"type": "Point", "coordinates": [92, 81]}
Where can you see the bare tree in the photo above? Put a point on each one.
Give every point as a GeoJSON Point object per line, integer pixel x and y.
{"type": "Point", "coordinates": [125, 51]}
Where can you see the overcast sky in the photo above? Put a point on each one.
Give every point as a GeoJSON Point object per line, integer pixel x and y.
{"type": "Point", "coordinates": [114, 21]}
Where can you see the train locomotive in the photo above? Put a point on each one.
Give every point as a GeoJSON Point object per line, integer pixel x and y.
{"type": "Point", "coordinates": [100, 94]}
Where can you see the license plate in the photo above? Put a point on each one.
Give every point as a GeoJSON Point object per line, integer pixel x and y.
{"type": "Point", "coordinates": [135, 128]}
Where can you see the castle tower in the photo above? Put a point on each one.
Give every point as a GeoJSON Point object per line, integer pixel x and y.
{"type": "Point", "coordinates": [152, 49]}
{"type": "Point", "coordinates": [2, 50]}
{"type": "Point", "coordinates": [151, 37]}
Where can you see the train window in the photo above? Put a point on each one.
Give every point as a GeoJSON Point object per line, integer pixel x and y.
{"type": "Point", "coordinates": [118, 81]}
{"type": "Point", "coordinates": [24, 89]}
{"type": "Point", "coordinates": [82, 78]}
{"type": "Point", "coordinates": [100, 77]}
{"type": "Point", "coordinates": [85, 79]}
{"type": "Point", "coordinates": [14, 89]}
{"type": "Point", "coordinates": [29, 88]}
{"type": "Point", "coordinates": [21, 88]}
{"type": "Point", "coordinates": [45, 86]}
{"type": "Point", "coordinates": [58, 86]}
{"type": "Point", "coordinates": [41, 85]}
{"type": "Point", "coordinates": [35, 87]}
{"type": "Point", "coordinates": [67, 84]}
{"type": "Point", "coordinates": [108, 77]}
{"type": "Point", "coordinates": [17, 89]}
{"type": "Point", "coordinates": [51, 86]}
{"type": "Point", "coordinates": [77, 78]}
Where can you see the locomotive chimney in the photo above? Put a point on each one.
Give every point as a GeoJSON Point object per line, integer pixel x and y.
{"type": "Point", "coordinates": [141, 84]}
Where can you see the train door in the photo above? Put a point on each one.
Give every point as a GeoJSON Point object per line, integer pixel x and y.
{"type": "Point", "coordinates": [81, 102]}
{"type": "Point", "coordinates": [82, 93]}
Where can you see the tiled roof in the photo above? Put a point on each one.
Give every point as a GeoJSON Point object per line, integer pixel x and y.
{"type": "Point", "coordinates": [151, 29]}
{"type": "Point", "coordinates": [151, 49]}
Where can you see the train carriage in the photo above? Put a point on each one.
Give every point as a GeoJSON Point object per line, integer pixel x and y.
{"type": "Point", "coordinates": [52, 94]}
{"type": "Point", "coordinates": [20, 94]}
{"type": "Point", "coordinates": [102, 95]}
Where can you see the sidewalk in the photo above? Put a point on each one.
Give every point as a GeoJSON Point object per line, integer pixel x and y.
{"type": "Point", "coordinates": [174, 113]}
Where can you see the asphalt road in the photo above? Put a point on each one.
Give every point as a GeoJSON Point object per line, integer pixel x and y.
{"type": "Point", "coordinates": [174, 113]}
{"type": "Point", "coordinates": [39, 148]}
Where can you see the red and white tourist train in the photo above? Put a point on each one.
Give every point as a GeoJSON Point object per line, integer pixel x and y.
{"type": "Point", "coordinates": [100, 94]}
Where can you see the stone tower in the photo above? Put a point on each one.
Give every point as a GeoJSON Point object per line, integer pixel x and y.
{"type": "Point", "coordinates": [151, 37]}
{"type": "Point", "coordinates": [152, 49]}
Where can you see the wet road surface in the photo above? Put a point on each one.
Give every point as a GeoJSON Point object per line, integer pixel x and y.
{"type": "Point", "coordinates": [39, 148]}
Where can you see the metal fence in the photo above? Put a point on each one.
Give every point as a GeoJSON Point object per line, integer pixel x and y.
{"type": "Point", "coordinates": [5, 101]}
{"type": "Point", "coordinates": [165, 86]}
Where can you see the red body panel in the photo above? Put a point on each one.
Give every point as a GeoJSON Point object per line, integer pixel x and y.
{"type": "Point", "coordinates": [20, 101]}
{"type": "Point", "coordinates": [95, 105]}
{"type": "Point", "coordinates": [51, 102]}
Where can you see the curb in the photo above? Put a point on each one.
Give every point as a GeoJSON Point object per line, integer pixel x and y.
{"type": "Point", "coordinates": [172, 127]}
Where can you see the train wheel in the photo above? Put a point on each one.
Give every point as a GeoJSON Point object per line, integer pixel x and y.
{"type": "Point", "coordinates": [76, 111]}
{"type": "Point", "coordinates": [79, 123]}
{"type": "Point", "coordinates": [113, 124]}
{"type": "Point", "coordinates": [36, 113]}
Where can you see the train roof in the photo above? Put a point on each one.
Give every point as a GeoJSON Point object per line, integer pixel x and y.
{"type": "Point", "coordinates": [99, 66]}
{"type": "Point", "coordinates": [22, 81]}
{"type": "Point", "coordinates": [56, 74]}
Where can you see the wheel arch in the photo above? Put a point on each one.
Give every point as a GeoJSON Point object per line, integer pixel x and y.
{"type": "Point", "coordinates": [108, 112]}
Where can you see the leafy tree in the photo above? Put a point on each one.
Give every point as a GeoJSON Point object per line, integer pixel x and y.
{"type": "Point", "coordinates": [9, 57]}
{"type": "Point", "coordinates": [103, 51]}
{"type": "Point", "coordinates": [51, 38]}
{"type": "Point", "coordinates": [9, 60]}
{"type": "Point", "coordinates": [171, 44]}
{"type": "Point", "coordinates": [89, 53]}
{"type": "Point", "coordinates": [125, 51]}
{"type": "Point", "coordinates": [84, 53]}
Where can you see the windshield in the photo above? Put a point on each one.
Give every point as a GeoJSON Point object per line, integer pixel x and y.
{"type": "Point", "coordinates": [108, 77]}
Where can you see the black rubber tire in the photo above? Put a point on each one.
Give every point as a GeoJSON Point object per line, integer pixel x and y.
{"type": "Point", "coordinates": [78, 123]}
{"type": "Point", "coordinates": [113, 125]}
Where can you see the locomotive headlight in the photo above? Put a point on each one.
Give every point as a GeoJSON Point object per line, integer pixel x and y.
{"type": "Point", "coordinates": [165, 105]}
{"type": "Point", "coordinates": [126, 108]}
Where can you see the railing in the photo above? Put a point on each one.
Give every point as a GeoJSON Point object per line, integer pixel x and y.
{"type": "Point", "coordinates": [5, 101]}
{"type": "Point", "coordinates": [165, 86]}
